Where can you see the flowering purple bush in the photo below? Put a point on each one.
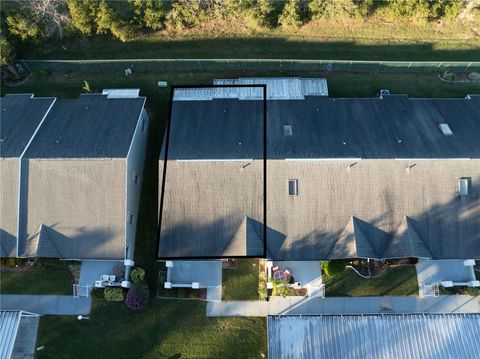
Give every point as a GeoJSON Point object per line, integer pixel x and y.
{"type": "Point", "coordinates": [137, 296]}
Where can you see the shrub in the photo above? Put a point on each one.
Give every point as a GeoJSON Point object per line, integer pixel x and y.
{"type": "Point", "coordinates": [474, 76]}
{"type": "Point", "coordinates": [113, 294]}
{"type": "Point", "coordinates": [97, 293]}
{"type": "Point", "coordinates": [333, 267]}
{"type": "Point", "coordinates": [118, 271]}
{"type": "Point", "coordinates": [137, 296]}
{"type": "Point", "coordinates": [137, 275]}
{"type": "Point", "coordinates": [11, 262]}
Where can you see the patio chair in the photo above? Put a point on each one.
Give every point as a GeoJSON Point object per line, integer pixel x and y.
{"type": "Point", "coordinates": [111, 278]}
{"type": "Point", "coordinates": [104, 277]}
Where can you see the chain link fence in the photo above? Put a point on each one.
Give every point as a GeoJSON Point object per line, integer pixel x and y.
{"type": "Point", "coordinates": [212, 65]}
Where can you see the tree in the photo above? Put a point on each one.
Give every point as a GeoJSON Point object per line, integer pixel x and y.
{"type": "Point", "coordinates": [52, 14]}
{"type": "Point", "coordinates": [332, 9]}
{"type": "Point", "coordinates": [262, 12]}
{"type": "Point", "coordinates": [291, 14]}
{"type": "Point", "coordinates": [445, 8]}
{"type": "Point", "coordinates": [417, 10]}
{"type": "Point", "coordinates": [6, 51]}
{"type": "Point", "coordinates": [149, 13]}
{"type": "Point", "coordinates": [365, 8]}
{"type": "Point", "coordinates": [83, 14]}
{"type": "Point", "coordinates": [108, 21]}
{"type": "Point", "coordinates": [333, 267]}
{"type": "Point", "coordinates": [22, 27]}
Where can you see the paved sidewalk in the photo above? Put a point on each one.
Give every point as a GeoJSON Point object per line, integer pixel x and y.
{"type": "Point", "coordinates": [345, 305]}
{"type": "Point", "coordinates": [46, 304]}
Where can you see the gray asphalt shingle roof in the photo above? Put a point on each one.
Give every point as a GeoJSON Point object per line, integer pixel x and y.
{"type": "Point", "coordinates": [392, 127]}
{"type": "Point", "coordinates": [90, 126]}
{"type": "Point", "coordinates": [20, 116]}
{"type": "Point", "coordinates": [388, 185]}
{"type": "Point", "coordinates": [73, 177]}
{"type": "Point", "coordinates": [207, 211]}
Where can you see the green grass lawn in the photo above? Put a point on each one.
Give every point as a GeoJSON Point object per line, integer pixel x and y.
{"type": "Point", "coordinates": [241, 283]}
{"type": "Point", "coordinates": [165, 329]}
{"type": "Point", "coordinates": [40, 281]}
{"type": "Point", "coordinates": [374, 39]}
{"type": "Point", "coordinates": [400, 280]}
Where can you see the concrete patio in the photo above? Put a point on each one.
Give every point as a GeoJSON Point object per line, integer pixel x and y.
{"type": "Point", "coordinates": [434, 271]}
{"type": "Point", "coordinates": [206, 273]}
{"type": "Point", "coordinates": [90, 271]}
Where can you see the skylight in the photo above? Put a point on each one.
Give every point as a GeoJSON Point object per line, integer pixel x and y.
{"type": "Point", "coordinates": [446, 130]}
{"type": "Point", "coordinates": [287, 130]}
{"type": "Point", "coordinates": [293, 187]}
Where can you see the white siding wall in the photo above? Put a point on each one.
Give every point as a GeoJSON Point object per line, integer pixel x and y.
{"type": "Point", "coordinates": [135, 166]}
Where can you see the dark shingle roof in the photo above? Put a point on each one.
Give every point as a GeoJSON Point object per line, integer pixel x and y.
{"type": "Point", "coordinates": [399, 198]}
{"type": "Point", "coordinates": [220, 129]}
{"type": "Point", "coordinates": [91, 126]}
{"type": "Point", "coordinates": [393, 127]}
{"type": "Point", "coordinates": [20, 116]}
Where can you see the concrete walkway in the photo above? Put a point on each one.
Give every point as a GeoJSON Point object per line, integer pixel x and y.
{"type": "Point", "coordinates": [46, 304]}
{"type": "Point", "coordinates": [345, 305]}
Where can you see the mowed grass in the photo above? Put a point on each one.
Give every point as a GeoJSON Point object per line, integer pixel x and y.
{"type": "Point", "coordinates": [395, 281]}
{"type": "Point", "coordinates": [165, 329]}
{"type": "Point", "coordinates": [40, 281]}
{"type": "Point", "coordinates": [241, 283]}
{"type": "Point", "coordinates": [352, 39]}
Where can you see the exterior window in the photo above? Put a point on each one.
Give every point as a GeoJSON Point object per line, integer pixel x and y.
{"type": "Point", "coordinates": [130, 217]}
{"type": "Point", "coordinates": [135, 178]}
{"type": "Point", "coordinates": [287, 130]}
{"type": "Point", "coordinates": [293, 187]}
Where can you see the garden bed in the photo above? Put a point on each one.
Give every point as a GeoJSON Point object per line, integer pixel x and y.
{"type": "Point", "coordinates": [459, 291]}
{"type": "Point", "coordinates": [373, 268]}
{"type": "Point", "coordinates": [399, 280]}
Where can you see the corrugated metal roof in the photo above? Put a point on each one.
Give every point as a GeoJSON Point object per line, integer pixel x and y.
{"type": "Point", "coordinates": [283, 88]}
{"type": "Point", "coordinates": [412, 336]}
{"type": "Point", "coordinates": [9, 323]}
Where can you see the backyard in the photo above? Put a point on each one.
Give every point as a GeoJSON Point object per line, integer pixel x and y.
{"type": "Point", "coordinates": [165, 329]}
{"type": "Point", "coordinates": [374, 39]}
{"type": "Point", "coordinates": [241, 281]}
{"type": "Point", "coordinates": [36, 280]}
{"type": "Point", "coordinates": [401, 280]}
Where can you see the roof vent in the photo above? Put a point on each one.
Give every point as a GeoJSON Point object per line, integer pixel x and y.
{"type": "Point", "coordinates": [463, 184]}
{"type": "Point", "coordinates": [287, 130]}
{"type": "Point", "coordinates": [445, 128]}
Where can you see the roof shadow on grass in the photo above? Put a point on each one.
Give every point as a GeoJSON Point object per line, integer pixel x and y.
{"type": "Point", "coordinates": [291, 47]}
